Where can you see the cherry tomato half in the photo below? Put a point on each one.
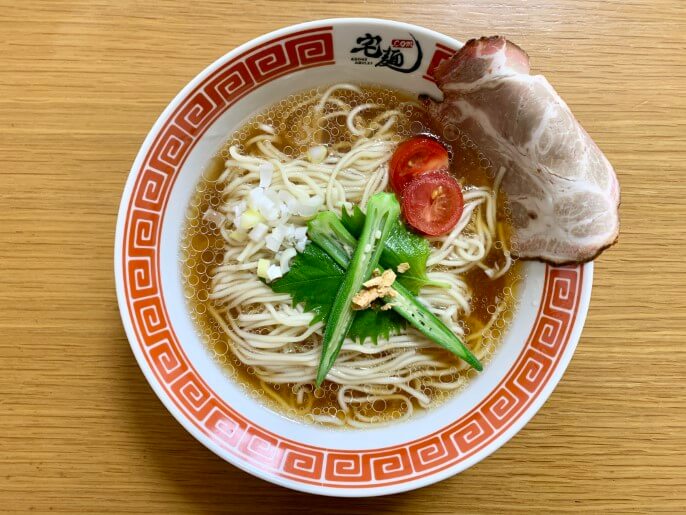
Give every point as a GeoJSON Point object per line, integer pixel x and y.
{"type": "Point", "coordinates": [433, 203]}
{"type": "Point", "coordinates": [413, 157]}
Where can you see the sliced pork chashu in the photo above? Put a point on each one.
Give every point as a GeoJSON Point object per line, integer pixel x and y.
{"type": "Point", "coordinates": [562, 190]}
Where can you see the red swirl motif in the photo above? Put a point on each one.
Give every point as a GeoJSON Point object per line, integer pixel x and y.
{"type": "Point", "coordinates": [168, 359]}
{"type": "Point", "coordinates": [194, 113]}
{"type": "Point", "coordinates": [310, 49]}
{"type": "Point", "coordinates": [230, 84]}
{"type": "Point", "coordinates": [267, 62]}
{"type": "Point", "coordinates": [472, 431]}
{"type": "Point", "coordinates": [530, 372]}
{"type": "Point", "coordinates": [213, 416]}
{"type": "Point", "coordinates": [261, 447]}
{"type": "Point", "coordinates": [300, 462]}
{"type": "Point", "coordinates": [143, 279]}
{"type": "Point", "coordinates": [192, 392]}
{"type": "Point", "coordinates": [345, 467]}
{"type": "Point", "coordinates": [171, 149]}
{"type": "Point", "coordinates": [562, 290]}
{"type": "Point", "coordinates": [388, 465]}
{"type": "Point", "coordinates": [226, 428]}
{"type": "Point", "coordinates": [145, 226]}
{"type": "Point", "coordinates": [432, 452]}
{"type": "Point", "coordinates": [154, 185]}
{"type": "Point", "coordinates": [502, 405]}
{"type": "Point", "coordinates": [293, 54]}
{"type": "Point", "coordinates": [548, 335]}
{"type": "Point", "coordinates": [150, 317]}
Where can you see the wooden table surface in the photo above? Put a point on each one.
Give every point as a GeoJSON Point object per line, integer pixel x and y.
{"type": "Point", "coordinates": [82, 82]}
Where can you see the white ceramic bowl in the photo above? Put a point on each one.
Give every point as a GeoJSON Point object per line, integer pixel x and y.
{"type": "Point", "coordinates": [425, 449]}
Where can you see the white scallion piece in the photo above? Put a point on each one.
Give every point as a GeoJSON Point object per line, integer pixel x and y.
{"type": "Point", "coordinates": [262, 267]}
{"type": "Point", "coordinates": [275, 239]}
{"type": "Point", "coordinates": [284, 211]}
{"type": "Point", "coordinates": [237, 210]}
{"type": "Point", "coordinates": [310, 206]}
{"type": "Point", "coordinates": [239, 236]}
{"type": "Point", "coordinates": [285, 196]}
{"type": "Point", "coordinates": [317, 154]}
{"type": "Point", "coordinates": [272, 243]}
{"type": "Point", "coordinates": [285, 259]}
{"type": "Point", "coordinates": [249, 219]}
{"type": "Point", "coordinates": [256, 198]}
{"type": "Point", "coordinates": [258, 232]}
{"type": "Point", "coordinates": [274, 272]}
{"type": "Point", "coordinates": [260, 201]}
{"type": "Point", "coordinates": [300, 233]}
{"type": "Point", "coordinates": [266, 171]}
{"type": "Point", "coordinates": [289, 231]}
{"type": "Point", "coordinates": [271, 213]}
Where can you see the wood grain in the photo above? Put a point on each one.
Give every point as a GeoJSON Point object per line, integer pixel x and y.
{"type": "Point", "coordinates": [80, 85]}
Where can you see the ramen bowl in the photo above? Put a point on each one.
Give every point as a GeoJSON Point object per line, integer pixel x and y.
{"type": "Point", "coordinates": [534, 352]}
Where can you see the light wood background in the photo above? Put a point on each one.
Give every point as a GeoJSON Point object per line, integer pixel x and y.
{"type": "Point", "coordinates": [82, 82]}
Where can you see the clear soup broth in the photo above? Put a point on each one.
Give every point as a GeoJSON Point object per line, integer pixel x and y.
{"type": "Point", "coordinates": [492, 301]}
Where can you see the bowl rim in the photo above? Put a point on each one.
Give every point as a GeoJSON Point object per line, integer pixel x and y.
{"type": "Point", "coordinates": [319, 489]}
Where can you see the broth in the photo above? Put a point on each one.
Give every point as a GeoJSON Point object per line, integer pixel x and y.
{"type": "Point", "coordinates": [203, 247]}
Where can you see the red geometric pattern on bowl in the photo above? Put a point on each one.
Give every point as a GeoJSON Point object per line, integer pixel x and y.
{"type": "Point", "coordinates": [214, 417]}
